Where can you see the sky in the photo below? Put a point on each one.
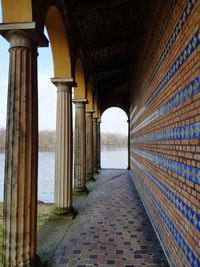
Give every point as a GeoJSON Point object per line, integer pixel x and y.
{"type": "Point", "coordinates": [113, 119]}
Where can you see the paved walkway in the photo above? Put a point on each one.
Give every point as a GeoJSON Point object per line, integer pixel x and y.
{"type": "Point", "coordinates": [111, 229]}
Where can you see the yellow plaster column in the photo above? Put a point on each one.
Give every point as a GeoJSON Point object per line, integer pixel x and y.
{"type": "Point", "coordinates": [21, 155]}
{"type": "Point", "coordinates": [64, 147]}
{"type": "Point", "coordinates": [80, 147]}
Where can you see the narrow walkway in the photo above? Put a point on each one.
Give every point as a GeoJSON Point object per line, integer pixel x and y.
{"type": "Point", "coordinates": [112, 229]}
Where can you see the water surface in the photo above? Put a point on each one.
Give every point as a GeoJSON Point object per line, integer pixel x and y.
{"type": "Point", "coordinates": [110, 158]}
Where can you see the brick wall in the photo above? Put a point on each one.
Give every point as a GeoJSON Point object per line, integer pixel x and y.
{"type": "Point", "coordinates": [165, 130]}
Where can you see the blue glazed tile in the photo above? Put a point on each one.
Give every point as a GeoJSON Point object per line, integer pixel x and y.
{"type": "Point", "coordinates": [188, 172]}
{"type": "Point", "coordinates": [190, 90]}
{"type": "Point", "coordinates": [171, 40]}
{"type": "Point", "coordinates": [189, 254]}
{"type": "Point", "coordinates": [193, 217]}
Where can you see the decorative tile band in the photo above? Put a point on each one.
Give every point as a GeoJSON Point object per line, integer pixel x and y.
{"type": "Point", "coordinates": [179, 61]}
{"type": "Point", "coordinates": [164, 26]}
{"type": "Point", "coordinates": [188, 172]}
{"type": "Point", "coordinates": [187, 92]}
{"type": "Point", "coordinates": [191, 131]}
{"type": "Point", "coordinates": [189, 254]}
{"type": "Point", "coordinates": [192, 217]}
{"type": "Point", "coordinates": [171, 41]}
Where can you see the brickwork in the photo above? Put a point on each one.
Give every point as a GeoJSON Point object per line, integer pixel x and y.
{"type": "Point", "coordinates": [165, 130]}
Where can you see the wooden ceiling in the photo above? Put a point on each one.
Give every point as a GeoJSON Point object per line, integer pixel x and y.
{"type": "Point", "coordinates": [109, 33]}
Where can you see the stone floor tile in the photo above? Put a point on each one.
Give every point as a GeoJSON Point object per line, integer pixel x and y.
{"type": "Point", "coordinates": [111, 229]}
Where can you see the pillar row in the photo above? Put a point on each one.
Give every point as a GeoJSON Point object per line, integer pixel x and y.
{"type": "Point", "coordinates": [21, 155]}
{"type": "Point", "coordinates": [89, 145]}
{"type": "Point", "coordinates": [64, 147]}
{"type": "Point", "coordinates": [80, 147]}
{"type": "Point", "coordinates": [95, 156]}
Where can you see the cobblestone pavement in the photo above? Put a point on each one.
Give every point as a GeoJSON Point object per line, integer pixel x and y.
{"type": "Point", "coordinates": [111, 229]}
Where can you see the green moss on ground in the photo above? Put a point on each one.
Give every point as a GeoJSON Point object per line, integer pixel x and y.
{"type": "Point", "coordinates": [44, 211]}
{"type": "Point", "coordinates": [1, 229]}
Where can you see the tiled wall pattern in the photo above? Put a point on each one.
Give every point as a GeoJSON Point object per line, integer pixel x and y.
{"type": "Point", "coordinates": [165, 132]}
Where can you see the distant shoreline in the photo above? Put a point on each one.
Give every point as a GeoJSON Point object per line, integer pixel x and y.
{"type": "Point", "coordinates": [53, 150]}
{"type": "Point", "coordinates": [2, 150]}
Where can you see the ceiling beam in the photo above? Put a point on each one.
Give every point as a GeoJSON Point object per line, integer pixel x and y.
{"type": "Point", "coordinates": [113, 43]}
{"type": "Point", "coordinates": [110, 84]}
{"type": "Point", "coordinates": [111, 67]}
{"type": "Point", "coordinates": [94, 5]}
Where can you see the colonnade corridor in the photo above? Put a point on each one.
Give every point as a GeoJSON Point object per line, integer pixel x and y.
{"type": "Point", "coordinates": [111, 228]}
{"type": "Point", "coordinates": [140, 56]}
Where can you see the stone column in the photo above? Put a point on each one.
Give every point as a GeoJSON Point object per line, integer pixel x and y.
{"type": "Point", "coordinates": [80, 147]}
{"type": "Point", "coordinates": [98, 144]}
{"type": "Point", "coordinates": [21, 155]}
{"type": "Point", "coordinates": [64, 147]}
{"type": "Point", "coordinates": [95, 156]}
{"type": "Point", "coordinates": [89, 145]}
{"type": "Point", "coordinates": [128, 168]}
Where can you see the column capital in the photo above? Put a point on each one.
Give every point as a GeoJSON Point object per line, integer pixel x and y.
{"type": "Point", "coordinates": [63, 84]}
{"type": "Point", "coordinates": [90, 111]}
{"type": "Point", "coordinates": [99, 120]}
{"type": "Point", "coordinates": [95, 118]}
{"type": "Point", "coordinates": [23, 35]}
{"type": "Point", "coordinates": [80, 101]}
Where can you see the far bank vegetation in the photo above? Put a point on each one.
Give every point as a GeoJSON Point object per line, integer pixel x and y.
{"type": "Point", "coordinates": [47, 140]}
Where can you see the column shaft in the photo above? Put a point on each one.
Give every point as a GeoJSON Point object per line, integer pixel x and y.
{"type": "Point", "coordinates": [95, 156]}
{"type": "Point", "coordinates": [128, 144]}
{"type": "Point", "coordinates": [80, 147]}
{"type": "Point", "coordinates": [98, 144]}
{"type": "Point", "coordinates": [64, 149]}
{"type": "Point", "coordinates": [21, 156]}
{"type": "Point", "coordinates": [89, 145]}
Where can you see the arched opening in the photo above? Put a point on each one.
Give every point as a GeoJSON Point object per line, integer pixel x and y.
{"type": "Point", "coordinates": [47, 125]}
{"type": "Point", "coordinates": [53, 62]}
{"type": "Point", "coordinates": [56, 64]}
{"type": "Point", "coordinates": [114, 139]}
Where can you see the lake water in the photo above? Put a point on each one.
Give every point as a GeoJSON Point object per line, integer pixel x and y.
{"type": "Point", "coordinates": [109, 159]}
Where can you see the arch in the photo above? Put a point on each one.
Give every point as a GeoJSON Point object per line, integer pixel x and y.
{"type": "Point", "coordinates": [120, 108]}
{"type": "Point", "coordinates": [59, 43]}
{"type": "Point", "coordinates": [105, 108]}
{"type": "Point", "coordinates": [16, 11]}
{"type": "Point", "coordinates": [114, 138]}
{"type": "Point", "coordinates": [80, 90]}
{"type": "Point", "coordinates": [90, 105]}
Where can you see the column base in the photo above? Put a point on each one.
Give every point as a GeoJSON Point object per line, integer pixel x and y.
{"type": "Point", "coordinates": [90, 178]}
{"type": "Point", "coordinates": [36, 262]}
{"type": "Point", "coordinates": [65, 211]}
{"type": "Point", "coordinates": [80, 191]}
{"type": "Point", "coordinates": [96, 171]}
{"type": "Point", "coordinates": [128, 168]}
